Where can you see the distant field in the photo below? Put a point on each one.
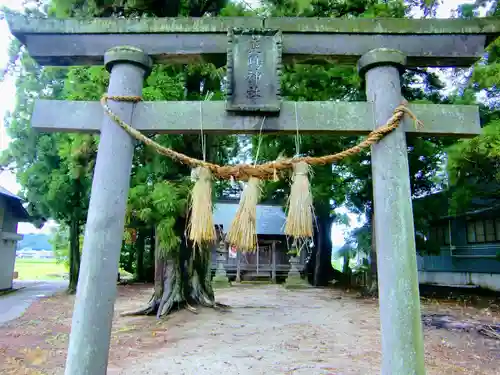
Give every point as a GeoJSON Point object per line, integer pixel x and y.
{"type": "Point", "coordinates": [39, 269]}
{"type": "Point", "coordinates": [46, 269]}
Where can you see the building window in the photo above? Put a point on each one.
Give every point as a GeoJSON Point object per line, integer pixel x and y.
{"type": "Point", "coordinates": [480, 231]}
{"type": "Point", "coordinates": [440, 234]}
{"type": "Point", "coordinates": [489, 229]}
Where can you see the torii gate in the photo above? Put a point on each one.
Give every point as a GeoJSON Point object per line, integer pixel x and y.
{"type": "Point", "coordinates": [380, 47]}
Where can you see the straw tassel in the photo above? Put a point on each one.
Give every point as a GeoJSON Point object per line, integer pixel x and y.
{"type": "Point", "coordinates": [201, 222]}
{"type": "Point", "coordinates": [243, 231]}
{"type": "Point", "coordinates": [299, 221]}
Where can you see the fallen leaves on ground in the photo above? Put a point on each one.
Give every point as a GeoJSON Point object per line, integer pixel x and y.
{"type": "Point", "coordinates": [36, 343]}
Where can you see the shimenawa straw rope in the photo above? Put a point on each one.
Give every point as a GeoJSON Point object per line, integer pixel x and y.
{"type": "Point", "coordinates": [265, 171]}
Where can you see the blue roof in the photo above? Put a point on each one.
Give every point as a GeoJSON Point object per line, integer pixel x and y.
{"type": "Point", "coordinates": [16, 204]}
{"type": "Point", "coordinates": [438, 204]}
{"type": "Point", "coordinates": [7, 193]}
{"type": "Point", "coordinates": [270, 218]}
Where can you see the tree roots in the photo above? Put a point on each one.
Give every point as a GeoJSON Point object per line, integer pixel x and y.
{"type": "Point", "coordinates": [177, 295]}
{"type": "Point", "coordinates": [183, 280]}
{"type": "Point", "coordinates": [162, 308]}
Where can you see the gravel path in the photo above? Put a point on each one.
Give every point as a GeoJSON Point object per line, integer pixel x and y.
{"type": "Point", "coordinates": [14, 304]}
{"type": "Point", "coordinates": [271, 330]}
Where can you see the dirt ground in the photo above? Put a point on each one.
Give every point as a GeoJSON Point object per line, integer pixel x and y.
{"type": "Point", "coordinates": [269, 330]}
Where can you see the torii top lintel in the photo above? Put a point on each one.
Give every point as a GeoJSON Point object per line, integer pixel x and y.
{"type": "Point", "coordinates": [425, 42]}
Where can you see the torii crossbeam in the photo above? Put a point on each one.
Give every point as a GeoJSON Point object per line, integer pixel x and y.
{"type": "Point", "coordinates": [185, 117]}
{"type": "Point", "coordinates": [382, 48]}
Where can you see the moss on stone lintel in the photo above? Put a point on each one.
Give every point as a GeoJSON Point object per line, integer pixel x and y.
{"type": "Point", "coordinates": [486, 25]}
{"type": "Point", "coordinates": [21, 24]}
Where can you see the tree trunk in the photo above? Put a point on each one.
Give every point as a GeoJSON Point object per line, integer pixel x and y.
{"type": "Point", "coordinates": [130, 260]}
{"type": "Point", "coordinates": [139, 249]}
{"type": "Point", "coordinates": [323, 269]}
{"type": "Point", "coordinates": [182, 280]}
{"type": "Point", "coordinates": [150, 265]}
{"type": "Point", "coordinates": [159, 269]}
{"type": "Point", "coordinates": [346, 270]}
{"type": "Point", "coordinates": [74, 254]}
{"type": "Point", "coordinates": [373, 282]}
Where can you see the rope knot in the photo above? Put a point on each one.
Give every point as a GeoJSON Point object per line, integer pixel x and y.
{"type": "Point", "coordinates": [403, 108]}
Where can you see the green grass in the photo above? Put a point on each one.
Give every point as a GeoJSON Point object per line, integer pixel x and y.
{"type": "Point", "coordinates": [39, 269]}
{"type": "Point", "coordinates": [46, 269]}
{"type": "Point", "coordinates": [8, 291]}
{"type": "Point", "coordinates": [338, 264]}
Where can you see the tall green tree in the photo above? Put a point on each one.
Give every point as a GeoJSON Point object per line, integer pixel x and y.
{"type": "Point", "coordinates": [54, 170]}
{"type": "Point", "coordinates": [471, 164]}
{"type": "Point", "coordinates": [157, 208]}
{"type": "Point", "coordinates": [61, 244]}
{"type": "Point", "coordinates": [474, 164]}
{"type": "Point", "coordinates": [349, 182]}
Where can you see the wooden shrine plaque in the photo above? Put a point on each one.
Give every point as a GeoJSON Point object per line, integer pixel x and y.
{"type": "Point", "coordinates": [254, 70]}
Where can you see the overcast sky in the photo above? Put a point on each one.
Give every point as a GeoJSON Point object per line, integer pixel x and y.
{"type": "Point", "coordinates": [7, 88]}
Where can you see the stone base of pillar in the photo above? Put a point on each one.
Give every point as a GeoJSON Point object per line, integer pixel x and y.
{"type": "Point", "coordinates": [220, 282]}
{"type": "Point", "coordinates": [294, 280]}
{"type": "Point", "coordinates": [220, 279]}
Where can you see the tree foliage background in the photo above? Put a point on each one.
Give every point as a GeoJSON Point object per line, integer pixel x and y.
{"type": "Point", "coordinates": [55, 170]}
{"type": "Point", "coordinates": [474, 165]}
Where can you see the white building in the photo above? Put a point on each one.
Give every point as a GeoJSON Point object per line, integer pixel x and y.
{"type": "Point", "coordinates": [11, 213]}
{"type": "Point", "coordinates": [35, 254]}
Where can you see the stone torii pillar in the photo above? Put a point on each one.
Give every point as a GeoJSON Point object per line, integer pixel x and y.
{"type": "Point", "coordinates": [96, 292]}
{"type": "Point", "coordinates": [400, 319]}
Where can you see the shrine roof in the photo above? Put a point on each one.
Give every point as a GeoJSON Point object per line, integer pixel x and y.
{"type": "Point", "coordinates": [270, 218]}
